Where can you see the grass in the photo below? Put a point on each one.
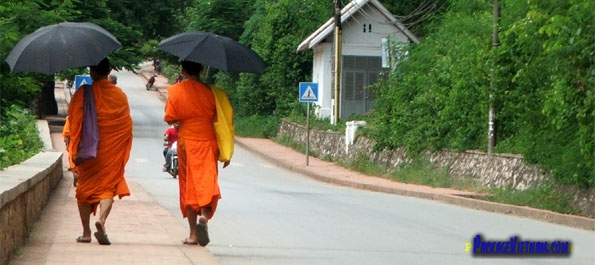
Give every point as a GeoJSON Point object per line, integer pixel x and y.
{"type": "Point", "coordinates": [257, 126]}
{"type": "Point", "coordinates": [540, 197]}
{"type": "Point", "coordinates": [285, 140]}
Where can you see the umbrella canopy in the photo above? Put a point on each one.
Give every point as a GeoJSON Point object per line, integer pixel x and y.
{"type": "Point", "coordinates": [214, 50]}
{"type": "Point", "coordinates": [54, 48]}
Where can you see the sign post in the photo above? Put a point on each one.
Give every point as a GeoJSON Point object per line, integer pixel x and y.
{"type": "Point", "coordinates": [308, 94]}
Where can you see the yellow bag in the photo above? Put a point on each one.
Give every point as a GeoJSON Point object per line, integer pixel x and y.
{"type": "Point", "coordinates": [223, 124]}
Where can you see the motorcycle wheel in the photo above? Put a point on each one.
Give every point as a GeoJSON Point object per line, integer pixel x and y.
{"type": "Point", "coordinates": [174, 168]}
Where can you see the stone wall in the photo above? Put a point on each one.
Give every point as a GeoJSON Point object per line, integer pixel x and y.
{"type": "Point", "coordinates": [24, 191]}
{"type": "Point", "coordinates": [496, 171]}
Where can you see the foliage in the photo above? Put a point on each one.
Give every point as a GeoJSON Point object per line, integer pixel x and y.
{"type": "Point", "coordinates": [546, 103]}
{"type": "Point", "coordinates": [431, 101]}
{"type": "Point", "coordinates": [286, 140]}
{"type": "Point", "coordinates": [542, 88]}
{"type": "Point", "coordinates": [540, 197]}
{"type": "Point", "coordinates": [274, 31]}
{"type": "Point", "coordinates": [155, 19]}
{"type": "Point", "coordinates": [257, 126]}
{"type": "Point", "coordinates": [16, 17]}
{"type": "Point", "coordinates": [543, 71]}
{"type": "Point", "coordinates": [19, 138]}
{"type": "Point", "coordinates": [223, 17]}
{"type": "Point", "coordinates": [19, 18]}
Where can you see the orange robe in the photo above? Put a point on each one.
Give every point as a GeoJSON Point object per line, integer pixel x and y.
{"type": "Point", "coordinates": [103, 176]}
{"type": "Point", "coordinates": [193, 104]}
{"type": "Point", "coordinates": [66, 133]}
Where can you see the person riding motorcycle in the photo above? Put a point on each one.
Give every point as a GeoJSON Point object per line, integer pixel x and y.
{"type": "Point", "coordinates": [170, 138]}
{"type": "Point", "coordinates": [150, 82]}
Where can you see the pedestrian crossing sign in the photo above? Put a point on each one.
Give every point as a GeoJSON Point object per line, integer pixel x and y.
{"type": "Point", "coordinates": [308, 92]}
{"type": "Point", "coordinates": [80, 80]}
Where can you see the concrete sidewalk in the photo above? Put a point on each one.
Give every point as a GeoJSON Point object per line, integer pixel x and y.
{"type": "Point", "coordinates": [141, 231]}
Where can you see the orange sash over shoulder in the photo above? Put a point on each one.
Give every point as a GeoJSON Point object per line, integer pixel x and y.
{"type": "Point", "coordinates": [102, 177]}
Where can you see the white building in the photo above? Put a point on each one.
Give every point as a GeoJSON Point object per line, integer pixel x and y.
{"type": "Point", "coordinates": [365, 23]}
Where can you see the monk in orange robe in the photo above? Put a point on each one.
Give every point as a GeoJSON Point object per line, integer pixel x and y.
{"type": "Point", "coordinates": [100, 179]}
{"type": "Point", "coordinates": [192, 104]}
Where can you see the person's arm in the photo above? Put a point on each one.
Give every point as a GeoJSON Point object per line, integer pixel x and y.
{"type": "Point", "coordinates": [166, 138]}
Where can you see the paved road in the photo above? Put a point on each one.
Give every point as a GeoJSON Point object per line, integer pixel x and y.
{"type": "Point", "coordinates": [269, 215]}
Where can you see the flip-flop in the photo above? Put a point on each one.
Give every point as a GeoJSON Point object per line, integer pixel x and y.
{"type": "Point", "coordinates": [100, 235]}
{"type": "Point", "coordinates": [81, 239]}
{"type": "Point", "coordinates": [202, 235]}
{"type": "Point", "coordinates": [186, 242]}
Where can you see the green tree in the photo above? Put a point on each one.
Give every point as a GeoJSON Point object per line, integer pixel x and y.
{"type": "Point", "coordinates": [276, 29]}
{"type": "Point", "coordinates": [19, 18]}
{"type": "Point", "coordinates": [437, 98]}
{"type": "Point", "coordinates": [543, 86]}
{"type": "Point", "coordinates": [546, 100]}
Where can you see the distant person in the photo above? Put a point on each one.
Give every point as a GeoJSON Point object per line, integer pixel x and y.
{"type": "Point", "coordinates": [192, 104]}
{"type": "Point", "coordinates": [100, 179]}
{"type": "Point", "coordinates": [169, 138]}
{"type": "Point", "coordinates": [113, 79]}
{"type": "Point", "coordinates": [157, 66]}
{"type": "Point", "coordinates": [151, 82]}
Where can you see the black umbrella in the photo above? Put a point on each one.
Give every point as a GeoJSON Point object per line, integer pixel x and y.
{"type": "Point", "coordinates": [214, 50]}
{"type": "Point", "coordinates": [54, 48]}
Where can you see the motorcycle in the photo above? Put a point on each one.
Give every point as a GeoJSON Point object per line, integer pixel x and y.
{"type": "Point", "coordinates": [173, 169]}
{"type": "Point", "coordinates": [172, 156]}
{"type": "Point", "coordinates": [150, 83]}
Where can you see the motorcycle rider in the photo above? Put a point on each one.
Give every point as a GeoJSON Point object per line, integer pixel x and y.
{"type": "Point", "coordinates": [170, 137]}
{"type": "Point", "coordinates": [150, 82]}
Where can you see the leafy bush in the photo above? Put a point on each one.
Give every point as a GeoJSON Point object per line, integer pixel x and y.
{"type": "Point", "coordinates": [258, 126]}
{"type": "Point", "coordinates": [542, 88]}
{"type": "Point", "coordinates": [540, 197]}
{"type": "Point", "coordinates": [19, 137]}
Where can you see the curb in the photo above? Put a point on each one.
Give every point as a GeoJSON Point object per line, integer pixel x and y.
{"type": "Point", "coordinates": [520, 211]}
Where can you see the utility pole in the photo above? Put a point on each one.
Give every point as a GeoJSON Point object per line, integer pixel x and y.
{"type": "Point", "coordinates": [338, 57]}
{"type": "Point", "coordinates": [491, 115]}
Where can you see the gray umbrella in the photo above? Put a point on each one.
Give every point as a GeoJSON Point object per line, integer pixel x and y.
{"type": "Point", "coordinates": [215, 51]}
{"type": "Point", "coordinates": [54, 48]}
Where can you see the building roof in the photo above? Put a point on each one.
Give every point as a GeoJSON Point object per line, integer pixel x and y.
{"type": "Point", "coordinates": [347, 12]}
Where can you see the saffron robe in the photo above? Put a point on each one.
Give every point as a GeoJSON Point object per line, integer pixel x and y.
{"type": "Point", "coordinates": [66, 133]}
{"type": "Point", "coordinates": [193, 105]}
{"type": "Point", "coordinates": [102, 177]}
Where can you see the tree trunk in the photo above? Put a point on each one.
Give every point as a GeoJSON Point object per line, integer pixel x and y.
{"type": "Point", "coordinates": [47, 104]}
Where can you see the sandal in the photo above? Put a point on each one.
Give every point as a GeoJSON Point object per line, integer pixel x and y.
{"type": "Point", "coordinates": [100, 235]}
{"type": "Point", "coordinates": [202, 234]}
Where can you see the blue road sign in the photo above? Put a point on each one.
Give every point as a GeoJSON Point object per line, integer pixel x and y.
{"type": "Point", "coordinates": [80, 80]}
{"type": "Point", "coordinates": [308, 92]}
